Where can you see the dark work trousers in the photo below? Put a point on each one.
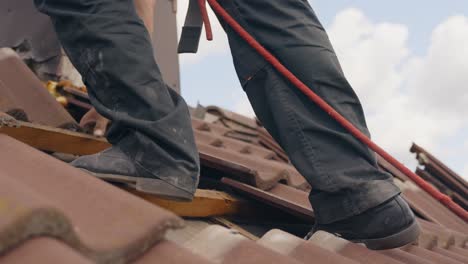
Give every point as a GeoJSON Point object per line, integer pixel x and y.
{"type": "Point", "coordinates": [342, 171]}
{"type": "Point", "coordinates": [110, 47]}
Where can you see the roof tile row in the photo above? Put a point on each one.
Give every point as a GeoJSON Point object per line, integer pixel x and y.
{"type": "Point", "coordinates": [431, 209]}
{"type": "Point", "coordinates": [211, 141]}
{"type": "Point", "coordinates": [96, 222]}
{"type": "Point", "coordinates": [227, 246]}
{"type": "Point", "coordinates": [441, 176]}
{"type": "Point", "coordinates": [281, 196]}
{"type": "Point", "coordinates": [47, 250]}
{"type": "Point", "coordinates": [41, 196]}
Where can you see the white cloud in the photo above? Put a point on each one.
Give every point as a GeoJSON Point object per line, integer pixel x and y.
{"type": "Point", "coordinates": [406, 98]}
{"type": "Point", "coordinates": [370, 54]}
{"type": "Point", "coordinates": [441, 78]}
{"type": "Point", "coordinates": [218, 46]}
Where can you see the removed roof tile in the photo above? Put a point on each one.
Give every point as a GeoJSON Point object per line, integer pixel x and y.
{"type": "Point", "coordinates": [424, 155]}
{"type": "Point", "coordinates": [281, 196]}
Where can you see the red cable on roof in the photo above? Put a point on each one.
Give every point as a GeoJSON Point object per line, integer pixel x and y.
{"type": "Point", "coordinates": [444, 199]}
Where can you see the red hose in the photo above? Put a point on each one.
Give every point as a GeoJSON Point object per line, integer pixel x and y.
{"type": "Point", "coordinates": [206, 19]}
{"type": "Point", "coordinates": [444, 199]}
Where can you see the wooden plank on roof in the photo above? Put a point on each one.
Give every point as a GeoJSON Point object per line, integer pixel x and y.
{"type": "Point", "coordinates": [206, 203]}
{"type": "Point", "coordinates": [52, 139]}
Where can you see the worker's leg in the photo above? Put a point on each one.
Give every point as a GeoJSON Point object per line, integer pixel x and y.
{"type": "Point", "coordinates": [110, 47]}
{"type": "Point", "coordinates": [145, 10]}
{"type": "Point", "coordinates": [342, 171]}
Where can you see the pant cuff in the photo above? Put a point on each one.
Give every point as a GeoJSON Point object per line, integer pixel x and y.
{"type": "Point", "coordinates": [153, 164]}
{"type": "Point", "coordinates": [333, 207]}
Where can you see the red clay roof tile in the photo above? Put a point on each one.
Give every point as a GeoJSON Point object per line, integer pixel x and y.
{"type": "Point", "coordinates": [222, 245]}
{"type": "Point", "coordinates": [21, 89]}
{"type": "Point", "coordinates": [459, 251]}
{"type": "Point", "coordinates": [201, 125]}
{"type": "Point", "coordinates": [44, 196]}
{"type": "Point", "coordinates": [250, 253]}
{"type": "Point", "coordinates": [265, 172]}
{"type": "Point", "coordinates": [350, 250]}
{"type": "Point", "coordinates": [281, 196]}
{"type": "Point", "coordinates": [441, 176]}
{"type": "Point", "coordinates": [43, 250]}
{"type": "Point", "coordinates": [419, 150]}
{"type": "Point", "coordinates": [450, 254]}
{"type": "Point", "coordinates": [266, 140]}
{"type": "Point", "coordinates": [233, 144]}
{"type": "Point", "coordinates": [233, 119]}
{"type": "Point", "coordinates": [297, 248]}
{"type": "Point", "coordinates": [268, 172]}
{"type": "Point", "coordinates": [263, 177]}
{"type": "Point", "coordinates": [431, 209]}
{"type": "Point", "coordinates": [429, 255]}
{"type": "Point", "coordinates": [166, 252]}
{"type": "Point", "coordinates": [405, 257]}
{"type": "Point", "coordinates": [445, 237]}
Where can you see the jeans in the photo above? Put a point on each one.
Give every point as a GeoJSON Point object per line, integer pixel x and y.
{"type": "Point", "coordinates": [110, 47]}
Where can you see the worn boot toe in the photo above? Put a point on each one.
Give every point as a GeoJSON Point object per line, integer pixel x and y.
{"type": "Point", "coordinates": [114, 166]}
{"type": "Point", "coordinates": [389, 225]}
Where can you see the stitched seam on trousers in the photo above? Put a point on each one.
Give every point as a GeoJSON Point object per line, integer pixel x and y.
{"type": "Point", "coordinates": [298, 129]}
{"type": "Point", "coordinates": [246, 82]}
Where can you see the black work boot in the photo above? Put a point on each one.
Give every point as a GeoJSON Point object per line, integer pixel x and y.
{"type": "Point", "coordinates": [114, 166]}
{"type": "Point", "coordinates": [389, 225]}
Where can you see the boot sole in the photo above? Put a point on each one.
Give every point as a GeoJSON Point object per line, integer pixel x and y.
{"type": "Point", "coordinates": [156, 187]}
{"type": "Point", "coordinates": [400, 239]}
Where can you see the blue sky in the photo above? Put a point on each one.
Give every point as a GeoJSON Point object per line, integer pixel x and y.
{"type": "Point", "coordinates": [417, 31]}
{"type": "Point", "coordinates": [420, 16]}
